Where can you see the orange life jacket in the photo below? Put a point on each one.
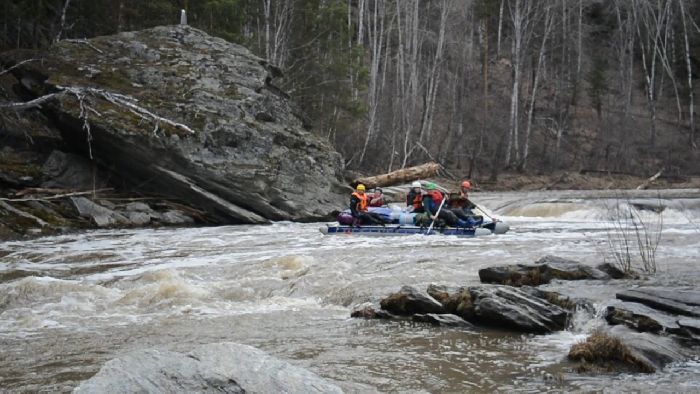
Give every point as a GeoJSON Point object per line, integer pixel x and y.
{"type": "Point", "coordinates": [364, 201]}
{"type": "Point", "coordinates": [417, 201]}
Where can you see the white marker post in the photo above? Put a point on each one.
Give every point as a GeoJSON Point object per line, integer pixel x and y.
{"type": "Point", "coordinates": [183, 17]}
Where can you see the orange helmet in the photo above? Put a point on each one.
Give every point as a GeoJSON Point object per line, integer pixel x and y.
{"type": "Point", "coordinates": [467, 185]}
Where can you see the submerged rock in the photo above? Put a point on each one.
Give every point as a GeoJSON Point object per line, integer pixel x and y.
{"type": "Point", "coordinates": [447, 320]}
{"type": "Point", "coordinates": [223, 139]}
{"type": "Point", "coordinates": [543, 271]}
{"type": "Point", "coordinates": [213, 368]}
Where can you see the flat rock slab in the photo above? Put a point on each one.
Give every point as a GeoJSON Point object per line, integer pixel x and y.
{"type": "Point", "coordinates": [641, 318]}
{"type": "Point", "coordinates": [213, 368]}
{"type": "Point", "coordinates": [651, 350]}
{"type": "Point", "coordinates": [681, 302]}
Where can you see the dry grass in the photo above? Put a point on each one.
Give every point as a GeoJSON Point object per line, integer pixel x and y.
{"type": "Point", "coordinates": [602, 349]}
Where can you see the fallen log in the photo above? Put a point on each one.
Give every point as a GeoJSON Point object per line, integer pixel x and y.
{"type": "Point", "coordinates": [650, 180]}
{"type": "Point", "coordinates": [403, 175]}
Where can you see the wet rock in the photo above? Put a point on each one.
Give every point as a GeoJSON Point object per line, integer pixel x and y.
{"type": "Point", "coordinates": [173, 217]}
{"type": "Point", "coordinates": [410, 301]}
{"type": "Point", "coordinates": [69, 171]}
{"type": "Point", "coordinates": [249, 159]}
{"type": "Point", "coordinates": [138, 207]}
{"type": "Point", "coordinates": [213, 368]}
{"type": "Point", "coordinates": [627, 350]}
{"type": "Point", "coordinates": [615, 272]}
{"type": "Point", "coordinates": [681, 302]}
{"type": "Point", "coordinates": [568, 303]}
{"type": "Point", "coordinates": [139, 218]}
{"type": "Point", "coordinates": [543, 271]}
{"type": "Point", "coordinates": [370, 311]}
{"type": "Point", "coordinates": [641, 318]}
{"type": "Point", "coordinates": [447, 320]}
{"type": "Point", "coordinates": [512, 308]}
{"type": "Point", "coordinates": [101, 216]}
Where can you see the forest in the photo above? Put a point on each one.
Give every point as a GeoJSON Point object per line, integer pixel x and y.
{"type": "Point", "coordinates": [480, 86]}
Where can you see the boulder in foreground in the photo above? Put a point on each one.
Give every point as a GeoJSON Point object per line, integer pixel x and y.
{"type": "Point", "coordinates": [213, 368]}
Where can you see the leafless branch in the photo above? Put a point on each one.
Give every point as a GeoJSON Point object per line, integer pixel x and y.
{"type": "Point", "coordinates": [17, 65]}
{"type": "Point", "coordinates": [21, 213]}
{"type": "Point", "coordinates": [36, 103]}
{"type": "Point", "coordinates": [84, 42]}
{"type": "Point", "coordinates": [54, 197]}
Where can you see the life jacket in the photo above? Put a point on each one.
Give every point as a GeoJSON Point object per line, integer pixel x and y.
{"type": "Point", "coordinates": [362, 206]}
{"type": "Point", "coordinates": [436, 196]}
{"type": "Point", "coordinates": [417, 201]}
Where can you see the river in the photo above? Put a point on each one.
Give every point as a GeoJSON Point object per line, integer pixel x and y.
{"type": "Point", "coordinates": [70, 303]}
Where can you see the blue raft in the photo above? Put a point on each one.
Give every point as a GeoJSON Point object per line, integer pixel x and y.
{"type": "Point", "coordinates": [403, 230]}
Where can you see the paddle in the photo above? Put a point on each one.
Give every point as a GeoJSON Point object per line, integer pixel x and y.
{"type": "Point", "coordinates": [436, 215]}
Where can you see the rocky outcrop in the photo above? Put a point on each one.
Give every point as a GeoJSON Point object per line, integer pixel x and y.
{"type": "Point", "coordinates": [680, 302]}
{"type": "Point", "coordinates": [175, 111]}
{"type": "Point", "coordinates": [543, 271]}
{"type": "Point", "coordinates": [642, 318]}
{"type": "Point", "coordinates": [523, 310]}
{"type": "Point", "coordinates": [213, 368]}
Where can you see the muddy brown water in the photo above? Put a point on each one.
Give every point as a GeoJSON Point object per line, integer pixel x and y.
{"type": "Point", "coordinates": [70, 303]}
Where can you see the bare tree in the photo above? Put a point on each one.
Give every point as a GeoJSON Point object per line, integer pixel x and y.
{"type": "Point", "coordinates": [689, 68]}
{"type": "Point", "coordinates": [548, 22]}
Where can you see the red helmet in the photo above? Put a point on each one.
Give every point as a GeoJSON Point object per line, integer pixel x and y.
{"type": "Point", "coordinates": [467, 185]}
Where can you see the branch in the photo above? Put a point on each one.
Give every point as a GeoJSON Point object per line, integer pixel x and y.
{"type": "Point", "coordinates": [21, 213]}
{"type": "Point", "coordinates": [84, 42]}
{"type": "Point", "coordinates": [36, 103]}
{"type": "Point", "coordinates": [54, 197]}
{"type": "Point", "coordinates": [115, 98]}
{"type": "Point", "coordinates": [17, 65]}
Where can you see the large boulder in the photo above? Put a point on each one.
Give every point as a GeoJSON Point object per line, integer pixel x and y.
{"type": "Point", "coordinates": [213, 368]}
{"type": "Point", "coordinates": [512, 308]}
{"type": "Point", "coordinates": [411, 301]}
{"type": "Point", "coordinates": [543, 271]}
{"type": "Point", "coordinates": [181, 113]}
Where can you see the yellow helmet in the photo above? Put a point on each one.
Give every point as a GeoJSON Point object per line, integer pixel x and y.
{"type": "Point", "coordinates": [360, 187]}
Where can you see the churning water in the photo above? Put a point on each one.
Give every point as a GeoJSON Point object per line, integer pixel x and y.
{"type": "Point", "coordinates": [70, 303]}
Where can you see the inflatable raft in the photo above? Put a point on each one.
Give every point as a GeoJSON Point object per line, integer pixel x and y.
{"type": "Point", "coordinates": [403, 230]}
{"type": "Point", "coordinates": [403, 223]}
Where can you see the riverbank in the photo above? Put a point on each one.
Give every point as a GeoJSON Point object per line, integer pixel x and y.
{"type": "Point", "coordinates": [585, 180]}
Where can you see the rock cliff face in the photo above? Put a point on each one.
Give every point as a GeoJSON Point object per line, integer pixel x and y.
{"type": "Point", "coordinates": [175, 111]}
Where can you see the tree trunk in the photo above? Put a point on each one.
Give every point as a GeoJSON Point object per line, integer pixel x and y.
{"type": "Point", "coordinates": [403, 175]}
{"type": "Point", "coordinates": [689, 69]}
{"type": "Point", "coordinates": [531, 110]}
